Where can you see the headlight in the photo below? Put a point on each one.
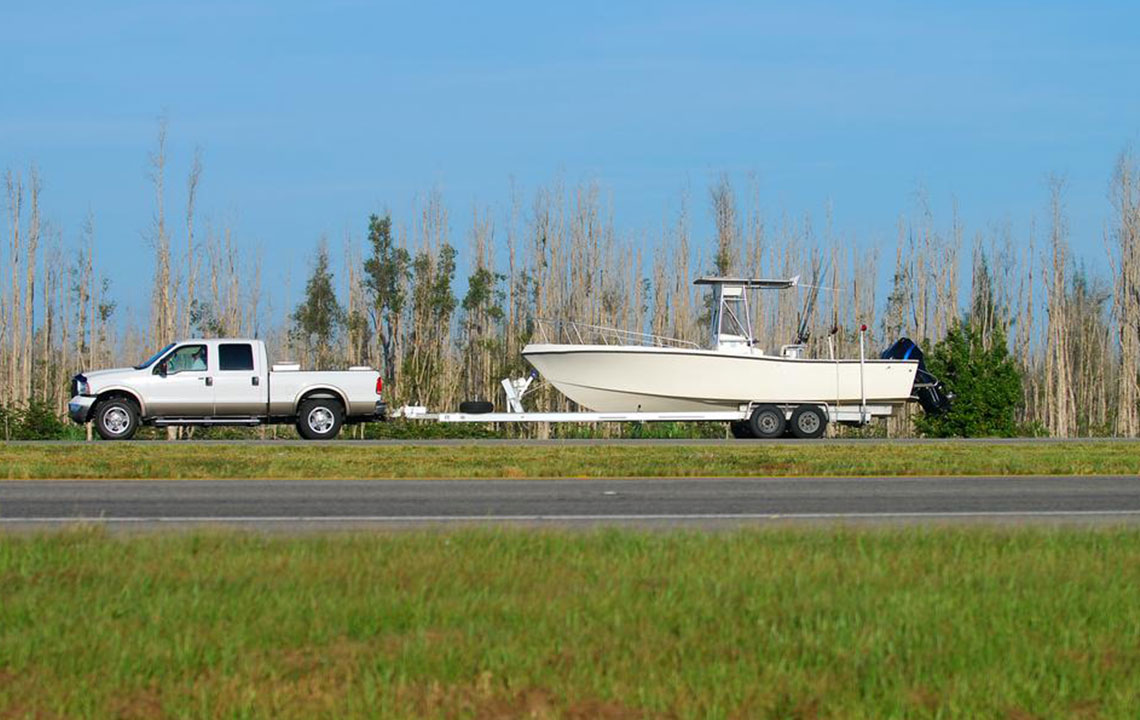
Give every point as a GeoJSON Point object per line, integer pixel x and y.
{"type": "Point", "coordinates": [81, 386]}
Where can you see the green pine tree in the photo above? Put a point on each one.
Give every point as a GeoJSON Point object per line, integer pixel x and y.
{"type": "Point", "coordinates": [984, 380]}
{"type": "Point", "coordinates": [385, 273]}
{"type": "Point", "coordinates": [319, 320]}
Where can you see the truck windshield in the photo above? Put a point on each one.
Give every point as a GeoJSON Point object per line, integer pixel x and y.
{"type": "Point", "coordinates": [154, 357]}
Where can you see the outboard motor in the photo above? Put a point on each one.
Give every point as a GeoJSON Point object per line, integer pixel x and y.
{"type": "Point", "coordinates": [933, 397]}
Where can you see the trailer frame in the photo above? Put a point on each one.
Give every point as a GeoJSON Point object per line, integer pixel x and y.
{"type": "Point", "coordinates": [516, 388]}
{"type": "Point", "coordinates": [841, 414]}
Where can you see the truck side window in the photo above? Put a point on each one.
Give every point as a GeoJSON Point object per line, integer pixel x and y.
{"type": "Point", "coordinates": [187, 357]}
{"type": "Point", "coordinates": [235, 356]}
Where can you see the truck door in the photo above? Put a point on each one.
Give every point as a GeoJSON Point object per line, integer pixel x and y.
{"type": "Point", "coordinates": [182, 385]}
{"type": "Point", "coordinates": [237, 384]}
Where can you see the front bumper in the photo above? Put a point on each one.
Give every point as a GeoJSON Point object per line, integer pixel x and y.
{"type": "Point", "coordinates": [79, 408]}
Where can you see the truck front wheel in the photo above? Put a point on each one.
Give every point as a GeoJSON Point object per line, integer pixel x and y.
{"type": "Point", "coordinates": [319, 419]}
{"type": "Point", "coordinates": [116, 419]}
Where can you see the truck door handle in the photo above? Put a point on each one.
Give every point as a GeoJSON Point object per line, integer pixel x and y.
{"type": "Point", "coordinates": [209, 382]}
{"type": "Point", "coordinates": [255, 380]}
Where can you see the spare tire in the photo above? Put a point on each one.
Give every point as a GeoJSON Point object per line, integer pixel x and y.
{"type": "Point", "coordinates": [476, 407]}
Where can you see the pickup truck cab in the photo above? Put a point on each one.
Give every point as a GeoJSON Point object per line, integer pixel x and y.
{"type": "Point", "coordinates": [224, 382]}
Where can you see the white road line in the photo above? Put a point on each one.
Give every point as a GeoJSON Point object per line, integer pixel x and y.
{"type": "Point", "coordinates": [562, 518]}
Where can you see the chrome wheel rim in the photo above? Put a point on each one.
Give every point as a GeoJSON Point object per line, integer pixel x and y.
{"type": "Point", "coordinates": [116, 421]}
{"type": "Point", "coordinates": [321, 420]}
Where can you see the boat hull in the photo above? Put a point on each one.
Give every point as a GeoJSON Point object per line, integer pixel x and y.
{"type": "Point", "coordinates": [607, 378]}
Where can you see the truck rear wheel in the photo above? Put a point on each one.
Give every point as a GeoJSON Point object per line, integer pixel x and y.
{"type": "Point", "coordinates": [116, 419]}
{"type": "Point", "coordinates": [319, 418]}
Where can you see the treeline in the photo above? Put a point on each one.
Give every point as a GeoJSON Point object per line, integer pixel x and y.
{"type": "Point", "coordinates": [392, 297]}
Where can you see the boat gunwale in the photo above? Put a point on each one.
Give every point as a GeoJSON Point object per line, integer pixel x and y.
{"type": "Point", "coordinates": [565, 349]}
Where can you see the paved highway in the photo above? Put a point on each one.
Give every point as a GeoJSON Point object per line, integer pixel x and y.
{"type": "Point", "coordinates": [701, 502]}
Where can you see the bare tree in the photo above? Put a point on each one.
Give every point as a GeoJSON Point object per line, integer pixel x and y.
{"type": "Point", "coordinates": [431, 376]}
{"type": "Point", "coordinates": [162, 306]}
{"type": "Point", "coordinates": [727, 227]}
{"type": "Point", "coordinates": [684, 320]}
{"type": "Point", "coordinates": [1058, 375]}
{"type": "Point", "coordinates": [14, 318]}
{"type": "Point", "coordinates": [34, 228]}
{"type": "Point", "coordinates": [660, 323]}
{"type": "Point", "coordinates": [1126, 292]}
{"type": "Point", "coordinates": [482, 313]}
{"type": "Point", "coordinates": [191, 259]}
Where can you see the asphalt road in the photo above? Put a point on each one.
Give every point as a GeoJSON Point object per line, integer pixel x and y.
{"type": "Point", "coordinates": [700, 502]}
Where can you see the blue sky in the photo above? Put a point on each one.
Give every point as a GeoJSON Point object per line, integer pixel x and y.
{"type": "Point", "coordinates": [312, 115]}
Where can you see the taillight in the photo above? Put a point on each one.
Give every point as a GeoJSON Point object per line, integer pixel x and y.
{"type": "Point", "coordinates": [379, 385]}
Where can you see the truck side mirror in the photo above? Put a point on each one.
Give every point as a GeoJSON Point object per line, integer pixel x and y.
{"type": "Point", "coordinates": [160, 369]}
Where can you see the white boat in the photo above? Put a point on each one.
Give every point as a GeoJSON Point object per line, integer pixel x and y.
{"type": "Point", "coordinates": [612, 371]}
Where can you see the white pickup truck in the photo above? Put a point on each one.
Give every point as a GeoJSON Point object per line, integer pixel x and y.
{"type": "Point", "coordinates": [223, 382]}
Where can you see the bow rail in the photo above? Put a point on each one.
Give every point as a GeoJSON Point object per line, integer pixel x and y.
{"type": "Point", "coordinates": [571, 332]}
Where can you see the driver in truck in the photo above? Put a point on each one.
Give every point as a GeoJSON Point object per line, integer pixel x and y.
{"type": "Point", "coordinates": [198, 358]}
{"type": "Point", "coordinates": [188, 358]}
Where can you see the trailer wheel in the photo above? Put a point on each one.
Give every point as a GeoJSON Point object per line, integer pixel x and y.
{"type": "Point", "coordinates": [116, 419]}
{"type": "Point", "coordinates": [476, 407]}
{"type": "Point", "coordinates": [808, 422]}
{"type": "Point", "coordinates": [767, 422]}
{"type": "Point", "coordinates": [319, 419]}
{"type": "Point", "coordinates": [740, 430]}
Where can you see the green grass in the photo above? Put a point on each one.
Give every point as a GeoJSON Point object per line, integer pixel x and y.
{"type": "Point", "coordinates": [780, 623]}
{"type": "Point", "coordinates": [346, 460]}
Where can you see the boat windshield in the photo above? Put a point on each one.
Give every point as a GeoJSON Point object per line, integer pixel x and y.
{"type": "Point", "coordinates": [153, 358]}
{"type": "Point", "coordinates": [733, 317]}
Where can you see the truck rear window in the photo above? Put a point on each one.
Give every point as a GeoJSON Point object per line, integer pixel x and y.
{"type": "Point", "coordinates": [235, 356]}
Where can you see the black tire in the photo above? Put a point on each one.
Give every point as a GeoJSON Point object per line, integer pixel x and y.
{"type": "Point", "coordinates": [767, 422]}
{"type": "Point", "coordinates": [740, 430]}
{"type": "Point", "coordinates": [808, 422]}
{"type": "Point", "coordinates": [116, 419]}
{"type": "Point", "coordinates": [476, 407]}
{"type": "Point", "coordinates": [319, 418]}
